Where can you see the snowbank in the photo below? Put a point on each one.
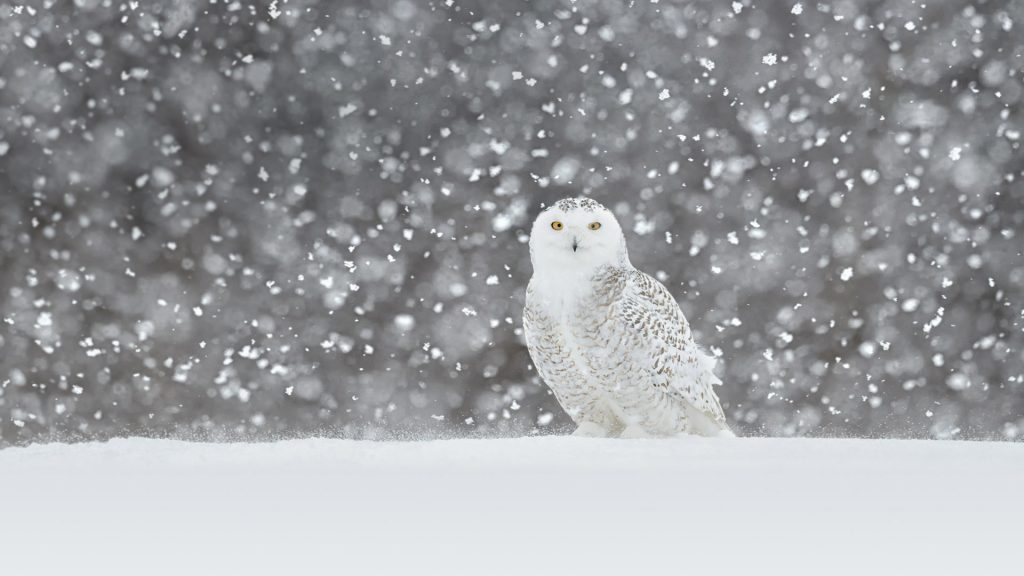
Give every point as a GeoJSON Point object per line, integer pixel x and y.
{"type": "Point", "coordinates": [528, 505]}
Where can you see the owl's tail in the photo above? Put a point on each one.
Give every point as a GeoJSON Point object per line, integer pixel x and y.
{"type": "Point", "coordinates": [702, 424]}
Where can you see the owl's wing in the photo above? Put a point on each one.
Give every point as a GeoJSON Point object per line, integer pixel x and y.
{"type": "Point", "coordinates": [547, 348]}
{"type": "Point", "coordinates": [672, 359]}
{"type": "Point", "coordinates": [535, 327]}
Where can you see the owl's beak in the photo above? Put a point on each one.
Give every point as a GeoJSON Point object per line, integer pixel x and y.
{"type": "Point", "coordinates": [575, 243]}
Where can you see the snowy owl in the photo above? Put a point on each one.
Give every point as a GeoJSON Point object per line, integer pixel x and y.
{"type": "Point", "coordinates": [609, 340]}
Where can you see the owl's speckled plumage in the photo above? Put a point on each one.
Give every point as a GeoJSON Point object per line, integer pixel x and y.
{"type": "Point", "coordinates": [610, 341]}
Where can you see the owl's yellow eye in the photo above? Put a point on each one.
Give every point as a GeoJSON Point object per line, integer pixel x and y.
{"type": "Point", "coordinates": [594, 226]}
{"type": "Point", "coordinates": [556, 225]}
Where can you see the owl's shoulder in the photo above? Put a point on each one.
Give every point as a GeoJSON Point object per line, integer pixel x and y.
{"type": "Point", "coordinates": [647, 306]}
{"type": "Point", "coordinates": [612, 282]}
{"type": "Point", "coordinates": [637, 288]}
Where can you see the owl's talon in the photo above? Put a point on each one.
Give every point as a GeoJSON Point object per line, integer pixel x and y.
{"type": "Point", "coordinates": [590, 430]}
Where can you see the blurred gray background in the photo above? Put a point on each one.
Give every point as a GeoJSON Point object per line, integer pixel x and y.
{"type": "Point", "coordinates": [235, 220]}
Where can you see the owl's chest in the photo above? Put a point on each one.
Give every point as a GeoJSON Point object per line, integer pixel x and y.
{"type": "Point", "coordinates": [577, 314]}
{"type": "Point", "coordinates": [581, 331]}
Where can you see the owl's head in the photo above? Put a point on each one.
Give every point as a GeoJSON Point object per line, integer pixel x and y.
{"type": "Point", "coordinates": [576, 235]}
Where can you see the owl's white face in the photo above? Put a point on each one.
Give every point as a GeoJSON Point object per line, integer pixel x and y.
{"type": "Point", "coordinates": [574, 237]}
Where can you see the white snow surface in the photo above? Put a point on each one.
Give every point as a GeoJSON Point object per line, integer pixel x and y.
{"type": "Point", "coordinates": [540, 505]}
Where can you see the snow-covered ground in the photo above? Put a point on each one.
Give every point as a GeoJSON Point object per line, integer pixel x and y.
{"type": "Point", "coordinates": [529, 506]}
